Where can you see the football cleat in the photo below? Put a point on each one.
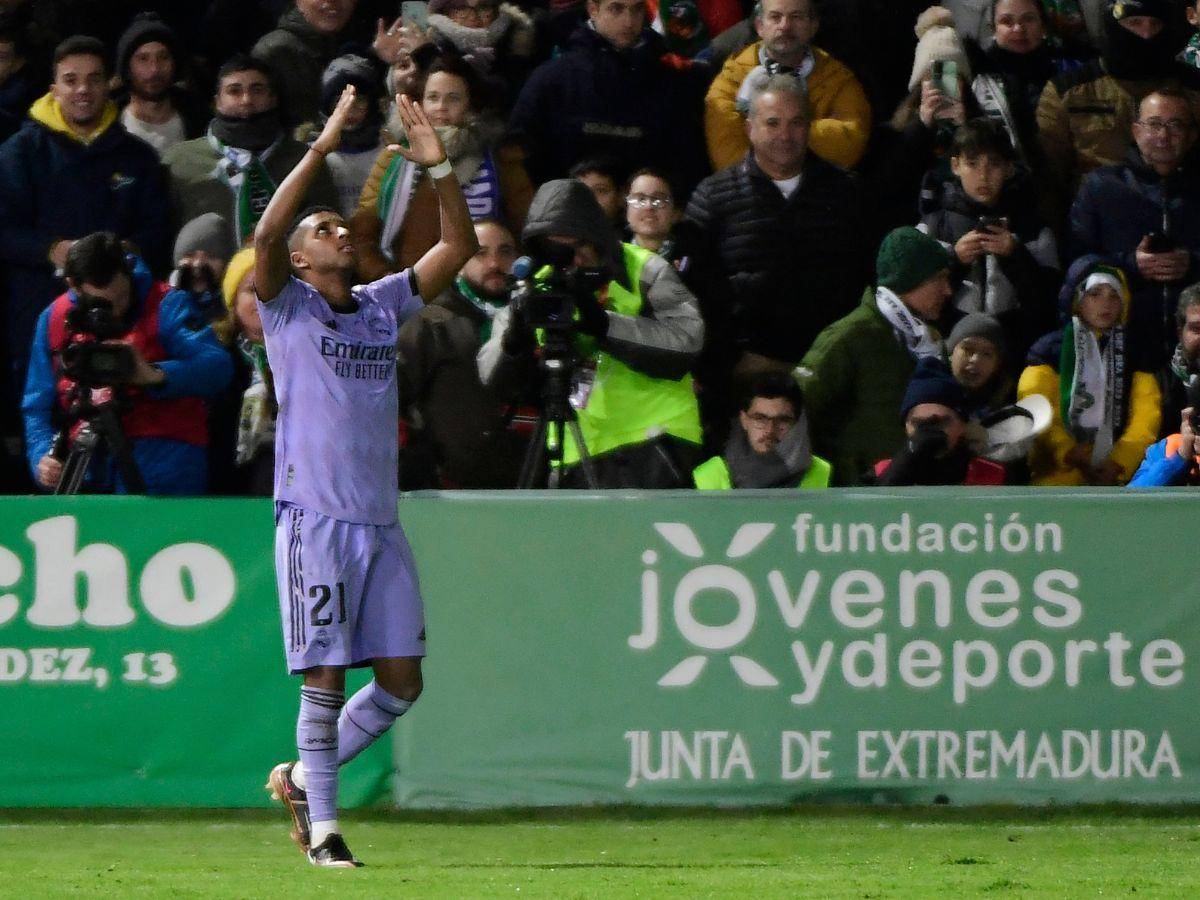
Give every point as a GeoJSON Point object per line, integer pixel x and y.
{"type": "Point", "coordinates": [333, 854]}
{"type": "Point", "coordinates": [283, 789]}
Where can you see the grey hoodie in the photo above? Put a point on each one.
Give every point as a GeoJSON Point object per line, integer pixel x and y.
{"type": "Point", "coordinates": [662, 342]}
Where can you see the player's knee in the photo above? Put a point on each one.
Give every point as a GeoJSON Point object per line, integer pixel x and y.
{"type": "Point", "coordinates": [403, 683]}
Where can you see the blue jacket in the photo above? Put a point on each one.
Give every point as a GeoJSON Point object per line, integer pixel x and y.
{"type": "Point", "coordinates": [54, 186]}
{"type": "Point", "coordinates": [1163, 466]}
{"type": "Point", "coordinates": [197, 366]}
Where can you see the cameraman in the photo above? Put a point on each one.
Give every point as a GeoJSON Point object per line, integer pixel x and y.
{"type": "Point", "coordinates": [635, 341]}
{"type": "Point", "coordinates": [174, 367]}
{"type": "Point", "coordinates": [936, 450]}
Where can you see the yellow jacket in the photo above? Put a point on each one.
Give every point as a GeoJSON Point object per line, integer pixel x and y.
{"type": "Point", "coordinates": [841, 115]}
{"type": "Point", "coordinates": [1047, 459]}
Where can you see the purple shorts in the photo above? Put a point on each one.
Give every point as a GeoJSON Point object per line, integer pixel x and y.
{"type": "Point", "coordinates": [348, 593]}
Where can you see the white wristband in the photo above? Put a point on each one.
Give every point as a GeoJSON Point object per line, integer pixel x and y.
{"type": "Point", "coordinates": [441, 170]}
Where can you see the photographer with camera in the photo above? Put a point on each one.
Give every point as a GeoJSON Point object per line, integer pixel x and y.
{"type": "Point", "coordinates": [626, 327]}
{"type": "Point", "coordinates": [203, 249]}
{"type": "Point", "coordinates": [118, 340]}
{"type": "Point", "coordinates": [935, 450]}
{"type": "Point", "coordinates": [1144, 214]}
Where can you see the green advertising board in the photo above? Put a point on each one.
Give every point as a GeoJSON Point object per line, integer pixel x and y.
{"type": "Point", "coordinates": [738, 648]}
{"type": "Point", "coordinates": [982, 646]}
{"type": "Point", "coordinates": [141, 659]}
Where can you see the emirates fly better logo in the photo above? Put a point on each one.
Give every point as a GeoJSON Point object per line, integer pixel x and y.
{"type": "Point", "coordinates": [711, 640]}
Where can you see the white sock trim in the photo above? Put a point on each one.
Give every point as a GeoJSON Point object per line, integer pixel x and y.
{"type": "Point", "coordinates": [298, 778]}
{"type": "Point", "coordinates": [322, 830]}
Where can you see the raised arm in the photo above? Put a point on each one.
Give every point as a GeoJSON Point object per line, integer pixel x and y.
{"type": "Point", "coordinates": [271, 263]}
{"type": "Point", "coordinates": [457, 244]}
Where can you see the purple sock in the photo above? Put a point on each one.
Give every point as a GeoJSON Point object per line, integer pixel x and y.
{"type": "Point", "coordinates": [365, 718]}
{"type": "Point", "coordinates": [317, 740]}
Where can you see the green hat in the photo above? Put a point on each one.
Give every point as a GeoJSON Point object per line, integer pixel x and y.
{"type": "Point", "coordinates": [908, 258]}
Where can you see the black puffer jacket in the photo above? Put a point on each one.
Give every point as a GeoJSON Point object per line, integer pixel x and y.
{"type": "Point", "coordinates": [779, 269]}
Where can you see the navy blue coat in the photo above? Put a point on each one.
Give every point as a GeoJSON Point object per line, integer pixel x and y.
{"type": "Point", "coordinates": [1116, 207]}
{"type": "Point", "coordinates": [53, 187]}
{"type": "Point", "coordinates": [597, 101]}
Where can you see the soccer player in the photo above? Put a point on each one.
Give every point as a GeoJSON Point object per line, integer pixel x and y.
{"type": "Point", "coordinates": [348, 586]}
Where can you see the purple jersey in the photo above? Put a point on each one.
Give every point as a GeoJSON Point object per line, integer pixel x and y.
{"type": "Point", "coordinates": [335, 379]}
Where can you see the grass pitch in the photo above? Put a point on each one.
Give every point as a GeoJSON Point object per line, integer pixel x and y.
{"type": "Point", "coordinates": [810, 852]}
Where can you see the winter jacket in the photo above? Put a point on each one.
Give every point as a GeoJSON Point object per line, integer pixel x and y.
{"type": "Point", "coordinates": [763, 252]}
{"type": "Point", "coordinates": [1018, 290]}
{"type": "Point", "coordinates": [197, 187]}
{"type": "Point", "coordinates": [841, 115]}
{"type": "Point", "coordinates": [169, 451]}
{"type": "Point", "coordinates": [55, 186]}
{"type": "Point", "coordinates": [1085, 120]}
{"type": "Point", "coordinates": [421, 228]}
{"type": "Point", "coordinates": [297, 54]}
{"type": "Point", "coordinates": [1047, 460]}
{"type": "Point", "coordinates": [1007, 87]}
{"type": "Point", "coordinates": [642, 383]}
{"type": "Point", "coordinates": [502, 53]}
{"type": "Point", "coordinates": [473, 445]}
{"type": "Point", "coordinates": [595, 100]}
{"type": "Point", "coordinates": [1164, 467]}
{"type": "Point", "coordinates": [854, 378]}
{"type": "Point", "coordinates": [1115, 208]}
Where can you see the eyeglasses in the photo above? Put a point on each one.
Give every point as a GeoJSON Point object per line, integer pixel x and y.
{"type": "Point", "coordinates": [758, 420]}
{"type": "Point", "coordinates": [642, 201]}
{"type": "Point", "coordinates": [1175, 127]}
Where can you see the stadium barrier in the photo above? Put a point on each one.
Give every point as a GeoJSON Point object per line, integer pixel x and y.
{"type": "Point", "coordinates": [1013, 645]}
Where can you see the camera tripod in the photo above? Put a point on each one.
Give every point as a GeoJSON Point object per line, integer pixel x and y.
{"type": "Point", "coordinates": [556, 419]}
{"type": "Point", "coordinates": [101, 428]}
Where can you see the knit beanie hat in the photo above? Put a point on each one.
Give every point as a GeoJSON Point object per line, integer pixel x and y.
{"type": "Point", "coordinates": [1156, 9]}
{"type": "Point", "coordinates": [209, 232]}
{"type": "Point", "coordinates": [349, 69]}
{"type": "Point", "coordinates": [937, 39]}
{"type": "Point", "coordinates": [146, 28]}
{"type": "Point", "coordinates": [976, 325]}
{"type": "Point", "coordinates": [933, 382]}
{"type": "Point", "coordinates": [908, 258]}
{"type": "Point", "coordinates": [239, 266]}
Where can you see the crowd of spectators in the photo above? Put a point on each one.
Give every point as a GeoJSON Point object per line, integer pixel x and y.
{"type": "Point", "coordinates": [807, 242]}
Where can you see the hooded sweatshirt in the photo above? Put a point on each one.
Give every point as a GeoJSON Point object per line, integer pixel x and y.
{"type": "Point", "coordinates": [56, 185]}
{"type": "Point", "coordinates": [662, 342]}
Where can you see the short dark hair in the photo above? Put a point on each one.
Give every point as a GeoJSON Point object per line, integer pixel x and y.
{"type": "Point", "coordinates": [244, 62]}
{"type": "Point", "coordinates": [453, 64]}
{"type": "Point", "coordinates": [983, 137]}
{"type": "Point", "coordinates": [652, 172]}
{"type": "Point", "coordinates": [772, 386]}
{"type": "Point", "coordinates": [96, 259]}
{"type": "Point", "coordinates": [304, 214]}
{"type": "Point", "coordinates": [598, 165]}
{"type": "Point", "coordinates": [81, 45]}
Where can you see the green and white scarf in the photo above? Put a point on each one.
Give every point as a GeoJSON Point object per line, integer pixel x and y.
{"type": "Point", "coordinates": [486, 307]}
{"type": "Point", "coordinates": [247, 176]}
{"type": "Point", "coordinates": [256, 422]}
{"type": "Point", "coordinates": [1092, 386]}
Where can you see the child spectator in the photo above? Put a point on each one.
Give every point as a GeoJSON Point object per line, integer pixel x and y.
{"type": "Point", "coordinates": [1109, 409]}
{"type": "Point", "coordinates": [976, 347]}
{"type": "Point", "coordinates": [362, 138]}
{"type": "Point", "coordinates": [1005, 259]}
